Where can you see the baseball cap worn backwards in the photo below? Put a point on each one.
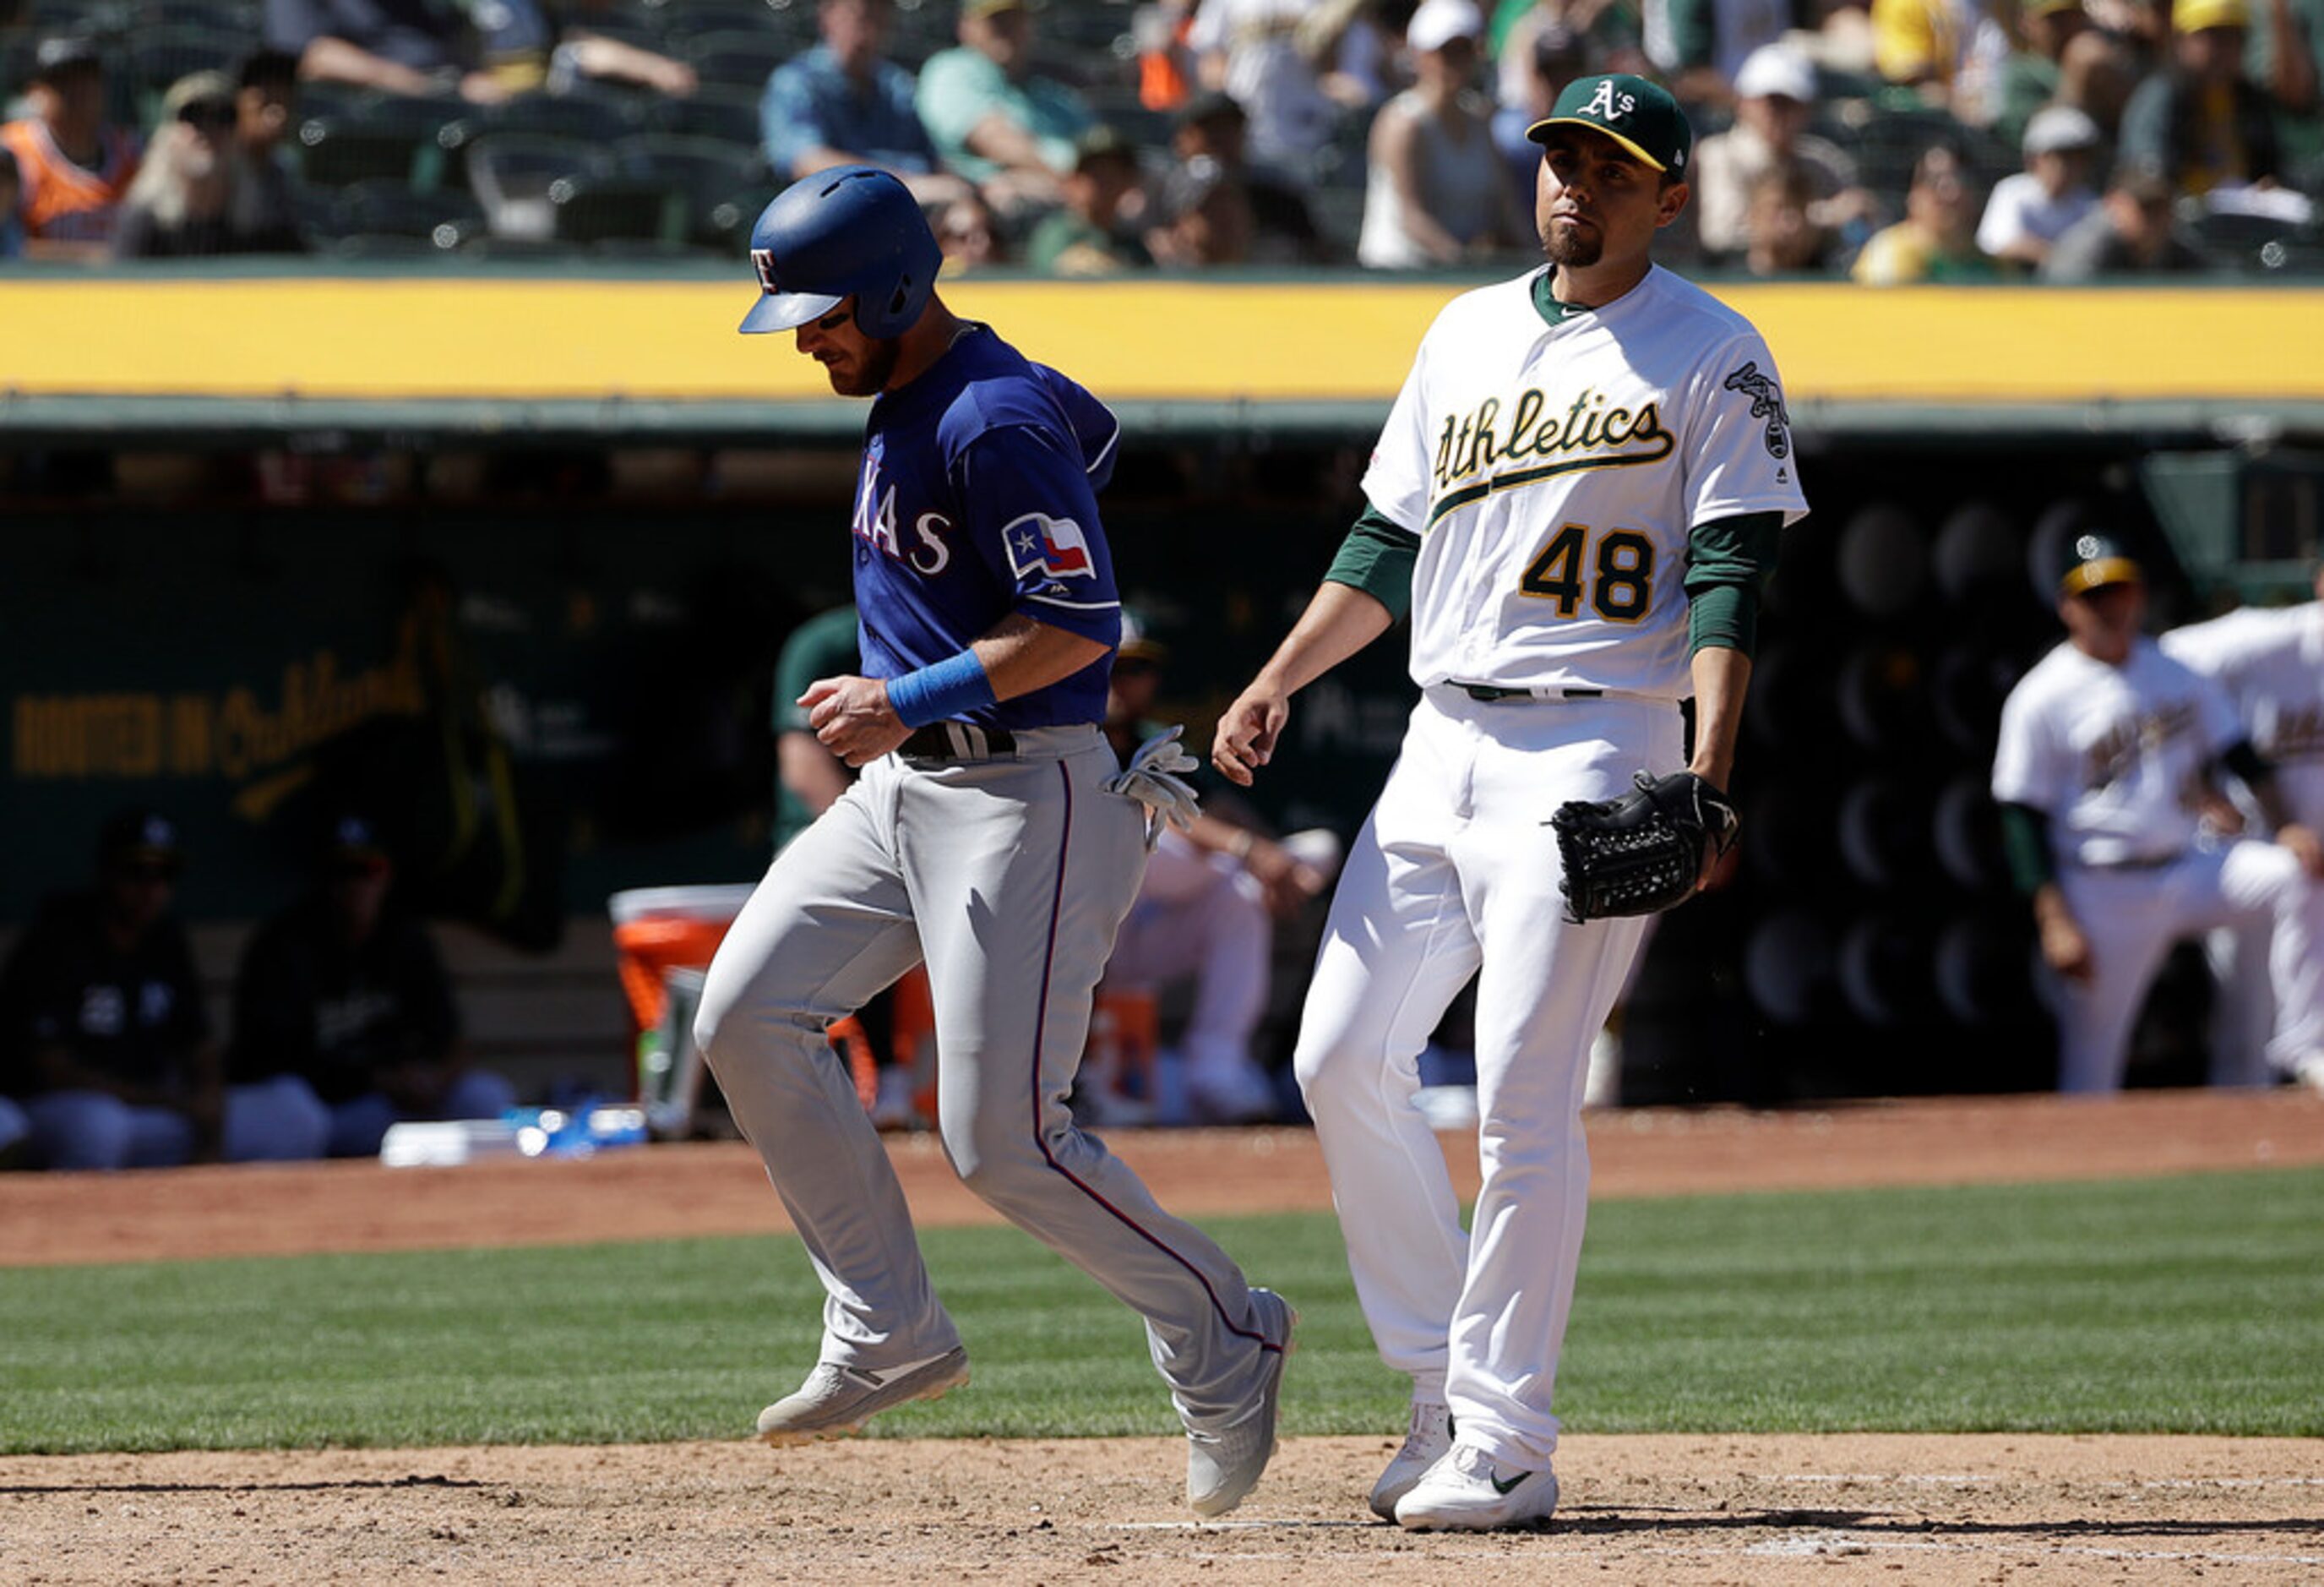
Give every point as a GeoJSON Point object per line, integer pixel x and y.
{"type": "Point", "coordinates": [2097, 560]}
{"type": "Point", "coordinates": [1638, 115]}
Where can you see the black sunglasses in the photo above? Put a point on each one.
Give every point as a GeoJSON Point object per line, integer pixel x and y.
{"type": "Point", "coordinates": [215, 114]}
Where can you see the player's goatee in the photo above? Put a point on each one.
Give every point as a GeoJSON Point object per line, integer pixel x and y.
{"type": "Point", "coordinates": [1567, 243]}
{"type": "Point", "coordinates": [869, 381]}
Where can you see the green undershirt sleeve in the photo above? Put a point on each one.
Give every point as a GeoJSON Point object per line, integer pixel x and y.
{"type": "Point", "coordinates": [1377, 558]}
{"type": "Point", "coordinates": [2025, 844]}
{"type": "Point", "coordinates": [1728, 563]}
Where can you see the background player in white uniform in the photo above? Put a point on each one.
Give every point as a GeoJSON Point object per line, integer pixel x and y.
{"type": "Point", "coordinates": [988, 837]}
{"type": "Point", "coordinates": [1591, 465]}
{"type": "Point", "coordinates": [2106, 759]}
{"type": "Point", "coordinates": [2271, 661]}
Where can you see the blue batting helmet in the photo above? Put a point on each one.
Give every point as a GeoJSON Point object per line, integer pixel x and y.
{"type": "Point", "coordinates": [850, 231]}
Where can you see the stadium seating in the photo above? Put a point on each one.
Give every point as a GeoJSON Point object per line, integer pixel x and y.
{"type": "Point", "coordinates": [737, 58]}
{"type": "Point", "coordinates": [512, 173]}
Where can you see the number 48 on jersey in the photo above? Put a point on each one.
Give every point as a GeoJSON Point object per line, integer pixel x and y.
{"type": "Point", "coordinates": [1617, 576]}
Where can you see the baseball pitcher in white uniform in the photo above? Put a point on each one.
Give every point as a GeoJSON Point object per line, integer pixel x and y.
{"type": "Point", "coordinates": [1578, 494]}
{"type": "Point", "coordinates": [2109, 757]}
{"type": "Point", "coordinates": [2271, 661]}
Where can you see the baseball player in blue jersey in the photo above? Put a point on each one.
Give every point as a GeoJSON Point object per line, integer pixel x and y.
{"type": "Point", "coordinates": [992, 833]}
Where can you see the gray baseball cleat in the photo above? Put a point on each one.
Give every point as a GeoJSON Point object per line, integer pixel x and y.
{"type": "Point", "coordinates": [1429, 1439]}
{"type": "Point", "coordinates": [1223, 1462]}
{"type": "Point", "coordinates": [836, 1401]}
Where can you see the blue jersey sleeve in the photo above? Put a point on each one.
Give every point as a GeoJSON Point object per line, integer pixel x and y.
{"type": "Point", "coordinates": [1031, 513]}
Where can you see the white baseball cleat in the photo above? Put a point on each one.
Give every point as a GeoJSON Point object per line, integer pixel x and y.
{"type": "Point", "coordinates": [1223, 1462]}
{"type": "Point", "coordinates": [836, 1401]}
{"type": "Point", "coordinates": [1468, 1491]}
{"type": "Point", "coordinates": [1427, 1441]}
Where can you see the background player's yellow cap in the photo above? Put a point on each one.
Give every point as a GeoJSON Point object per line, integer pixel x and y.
{"type": "Point", "coordinates": [1638, 115]}
{"type": "Point", "coordinates": [2098, 560]}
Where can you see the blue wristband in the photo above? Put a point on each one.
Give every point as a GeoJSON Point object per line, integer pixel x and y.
{"type": "Point", "coordinates": [953, 687]}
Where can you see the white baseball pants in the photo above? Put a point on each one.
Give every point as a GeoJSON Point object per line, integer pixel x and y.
{"type": "Point", "coordinates": [1201, 915]}
{"type": "Point", "coordinates": [1010, 876]}
{"type": "Point", "coordinates": [2132, 917]}
{"type": "Point", "coordinates": [1456, 873]}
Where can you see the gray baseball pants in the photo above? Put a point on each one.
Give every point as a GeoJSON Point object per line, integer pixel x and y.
{"type": "Point", "coordinates": [1009, 876]}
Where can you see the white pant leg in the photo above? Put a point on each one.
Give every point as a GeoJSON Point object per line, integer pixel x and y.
{"type": "Point", "coordinates": [1546, 988]}
{"type": "Point", "coordinates": [1202, 916]}
{"type": "Point", "coordinates": [2130, 919]}
{"type": "Point", "coordinates": [1398, 948]}
{"type": "Point", "coordinates": [828, 927]}
{"type": "Point", "coordinates": [2260, 879]}
{"type": "Point", "coordinates": [2242, 1002]}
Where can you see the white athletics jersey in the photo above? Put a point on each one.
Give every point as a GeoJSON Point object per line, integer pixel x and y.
{"type": "Point", "coordinates": [1553, 473]}
{"type": "Point", "coordinates": [2116, 756]}
{"type": "Point", "coordinates": [2271, 661]}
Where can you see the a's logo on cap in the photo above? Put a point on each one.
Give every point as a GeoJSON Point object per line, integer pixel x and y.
{"type": "Point", "coordinates": [1607, 105]}
{"type": "Point", "coordinates": [763, 260]}
{"type": "Point", "coordinates": [2089, 547]}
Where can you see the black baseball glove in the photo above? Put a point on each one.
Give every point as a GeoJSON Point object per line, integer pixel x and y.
{"type": "Point", "coordinates": [1643, 852]}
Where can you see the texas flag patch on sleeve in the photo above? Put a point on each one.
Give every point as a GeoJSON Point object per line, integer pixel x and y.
{"type": "Point", "coordinates": [1055, 547]}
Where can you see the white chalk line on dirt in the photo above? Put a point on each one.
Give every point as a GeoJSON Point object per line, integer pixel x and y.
{"type": "Point", "coordinates": [1966, 1480]}
{"type": "Point", "coordinates": [1808, 1544]}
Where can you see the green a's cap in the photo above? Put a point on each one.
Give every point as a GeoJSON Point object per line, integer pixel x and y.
{"type": "Point", "coordinates": [1638, 115]}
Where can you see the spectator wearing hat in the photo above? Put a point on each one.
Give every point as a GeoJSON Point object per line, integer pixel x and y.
{"type": "Point", "coordinates": [992, 118]}
{"type": "Point", "coordinates": [2199, 120]}
{"type": "Point", "coordinates": [2031, 210]}
{"type": "Point", "coordinates": [1951, 51]}
{"type": "Point", "coordinates": [1211, 126]}
{"type": "Point", "coordinates": [1775, 96]}
{"type": "Point", "coordinates": [197, 194]}
{"type": "Point", "coordinates": [415, 47]}
{"type": "Point", "coordinates": [2134, 231]}
{"type": "Point", "coordinates": [1087, 236]}
{"type": "Point", "coordinates": [104, 1035]}
{"type": "Point", "coordinates": [844, 103]}
{"type": "Point", "coordinates": [1435, 194]}
{"type": "Point", "coordinates": [73, 167]}
{"type": "Point", "coordinates": [345, 991]}
{"type": "Point", "coordinates": [1936, 242]}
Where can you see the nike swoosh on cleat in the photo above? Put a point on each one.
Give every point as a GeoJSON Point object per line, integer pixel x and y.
{"type": "Point", "coordinates": [1509, 1486]}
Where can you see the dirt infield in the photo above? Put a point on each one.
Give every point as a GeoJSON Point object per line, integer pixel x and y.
{"type": "Point", "coordinates": [1637, 1509]}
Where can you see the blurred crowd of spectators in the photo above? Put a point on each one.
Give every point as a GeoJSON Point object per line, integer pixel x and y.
{"type": "Point", "coordinates": [1908, 141]}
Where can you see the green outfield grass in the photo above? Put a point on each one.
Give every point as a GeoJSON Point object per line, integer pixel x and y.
{"type": "Point", "coordinates": [2183, 1305]}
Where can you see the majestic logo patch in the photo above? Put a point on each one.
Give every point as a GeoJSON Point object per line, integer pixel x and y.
{"type": "Point", "coordinates": [1767, 403]}
{"type": "Point", "coordinates": [1054, 545]}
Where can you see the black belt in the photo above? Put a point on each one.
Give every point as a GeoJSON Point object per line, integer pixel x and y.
{"type": "Point", "coordinates": [1489, 693]}
{"type": "Point", "coordinates": [957, 741]}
